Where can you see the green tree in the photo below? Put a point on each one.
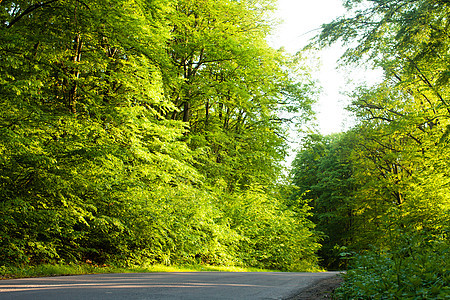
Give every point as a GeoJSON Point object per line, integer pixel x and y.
{"type": "Point", "coordinates": [126, 124]}
{"type": "Point", "coordinates": [81, 125]}
{"type": "Point", "coordinates": [229, 85]}
{"type": "Point", "coordinates": [401, 165]}
{"type": "Point", "coordinates": [322, 174]}
{"type": "Point", "coordinates": [404, 120]}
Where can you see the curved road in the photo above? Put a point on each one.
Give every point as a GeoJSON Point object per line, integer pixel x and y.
{"type": "Point", "coordinates": [189, 285]}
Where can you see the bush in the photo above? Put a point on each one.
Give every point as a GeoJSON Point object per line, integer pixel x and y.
{"type": "Point", "coordinates": [416, 269]}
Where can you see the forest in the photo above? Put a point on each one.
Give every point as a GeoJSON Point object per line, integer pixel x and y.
{"type": "Point", "coordinates": [380, 192]}
{"type": "Point", "coordinates": [148, 130]}
{"type": "Point", "coordinates": [157, 131]}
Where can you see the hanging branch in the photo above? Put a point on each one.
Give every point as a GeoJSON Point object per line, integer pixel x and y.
{"type": "Point", "coordinates": [33, 8]}
{"type": "Point", "coordinates": [28, 11]}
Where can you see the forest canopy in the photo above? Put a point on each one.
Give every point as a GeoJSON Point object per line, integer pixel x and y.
{"type": "Point", "coordinates": [380, 191]}
{"type": "Point", "coordinates": [148, 130]}
{"type": "Point", "coordinates": [155, 131]}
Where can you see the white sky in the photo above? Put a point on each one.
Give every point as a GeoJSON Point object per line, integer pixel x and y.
{"type": "Point", "coordinates": [301, 21]}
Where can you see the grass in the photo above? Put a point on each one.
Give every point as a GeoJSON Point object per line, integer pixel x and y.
{"type": "Point", "coordinates": [46, 270]}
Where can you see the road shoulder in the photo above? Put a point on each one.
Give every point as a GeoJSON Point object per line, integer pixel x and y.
{"type": "Point", "coordinates": [322, 289]}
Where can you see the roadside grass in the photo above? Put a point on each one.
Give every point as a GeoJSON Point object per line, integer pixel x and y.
{"type": "Point", "coordinates": [46, 270]}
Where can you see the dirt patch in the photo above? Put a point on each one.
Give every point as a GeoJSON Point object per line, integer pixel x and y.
{"type": "Point", "coordinates": [322, 289]}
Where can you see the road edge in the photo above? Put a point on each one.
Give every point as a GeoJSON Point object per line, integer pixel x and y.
{"type": "Point", "coordinates": [321, 289]}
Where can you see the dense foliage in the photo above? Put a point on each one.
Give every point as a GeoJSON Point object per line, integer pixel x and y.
{"type": "Point", "coordinates": [147, 129]}
{"type": "Point", "coordinates": [390, 173]}
{"type": "Point", "coordinates": [323, 174]}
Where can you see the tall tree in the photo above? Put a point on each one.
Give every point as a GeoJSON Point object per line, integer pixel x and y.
{"type": "Point", "coordinates": [323, 176]}
{"type": "Point", "coordinates": [81, 124]}
{"type": "Point", "coordinates": [127, 126]}
{"type": "Point", "coordinates": [404, 120]}
{"type": "Point", "coordinates": [229, 85]}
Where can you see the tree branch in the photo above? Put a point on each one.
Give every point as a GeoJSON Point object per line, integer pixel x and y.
{"type": "Point", "coordinates": [28, 11]}
{"type": "Point", "coordinates": [34, 7]}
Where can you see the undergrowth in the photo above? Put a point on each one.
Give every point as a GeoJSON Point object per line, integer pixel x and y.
{"type": "Point", "coordinates": [62, 269]}
{"type": "Point", "coordinates": [414, 271]}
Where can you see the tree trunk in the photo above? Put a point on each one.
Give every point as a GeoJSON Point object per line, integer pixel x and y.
{"type": "Point", "coordinates": [206, 113]}
{"type": "Point", "coordinates": [186, 111]}
{"type": "Point", "coordinates": [72, 95]}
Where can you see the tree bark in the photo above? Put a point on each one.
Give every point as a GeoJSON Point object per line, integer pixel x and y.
{"type": "Point", "coordinates": [72, 97]}
{"type": "Point", "coordinates": [186, 111]}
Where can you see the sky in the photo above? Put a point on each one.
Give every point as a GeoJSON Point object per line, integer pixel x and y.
{"type": "Point", "coordinates": [301, 22]}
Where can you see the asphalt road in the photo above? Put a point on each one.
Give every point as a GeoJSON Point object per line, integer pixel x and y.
{"type": "Point", "coordinates": [190, 285]}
